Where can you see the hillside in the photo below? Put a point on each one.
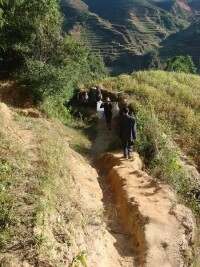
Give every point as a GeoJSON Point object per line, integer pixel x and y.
{"type": "Point", "coordinates": [62, 208]}
{"type": "Point", "coordinates": [123, 32]}
{"type": "Point", "coordinates": [173, 97]}
{"type": "Point", "coordinates": [186, 42]}
{"type": "Point", "coordinates": [181, 8]}
{"type": "Point", "coordinates": [68, 196]}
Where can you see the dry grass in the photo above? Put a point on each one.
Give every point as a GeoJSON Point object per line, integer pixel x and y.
{"type": "Point", "coordinates": [167, 110]}
{"type": "Point", "coordinates": [42, 218]}
{"type": "Point", "coordinates": [175, 97]}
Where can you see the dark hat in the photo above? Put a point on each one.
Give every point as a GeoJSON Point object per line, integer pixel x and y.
{"type": "Point", "coordinates": [125, 110]}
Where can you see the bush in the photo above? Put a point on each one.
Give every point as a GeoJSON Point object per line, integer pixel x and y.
{"type": "Point", "coordinates": [54, 108]}
{"type": "Point", "coordinates": [181, 64]}
{"type": "Point", "coordinates": [161, 155]}
{"type": "Point", "coordinates": [33, 48]}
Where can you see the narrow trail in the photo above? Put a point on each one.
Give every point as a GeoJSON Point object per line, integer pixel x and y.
{"type": "Point", "coordinates": [124, 241]}
{"type": "Point", "coordinates": [151, 228]}
{"type": "Point", "coordinates": [119, 243]}
{"type": "Point", "coordinates": [143, 224]}
{"type": "Point", "coordinates": [103, 137]}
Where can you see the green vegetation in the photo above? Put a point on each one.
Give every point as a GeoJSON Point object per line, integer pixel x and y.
{"type": "Point", "coordinates": [166, 105]}
{"type": "Point", "coordinates": [185, 42]}
{"type": "Point", "coordinates": [181, 64]}
{"type": "Point", "coordinates": [33, 49]}
{"type": "Point", "coordinates": [51, 65]}
{"type": "Point", "coordinates": [39, 201]}
{"type": "Point", "coordinates": [80, 258]}
{"type": "Point", "coordinates": [125, 32]}
{"type": "Point", "coordinates": [13, 169]}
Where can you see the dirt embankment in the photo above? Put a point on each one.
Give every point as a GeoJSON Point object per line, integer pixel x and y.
{"type": "Point", "coordinates": [164, 230]}
{"type": "Point", "coordinates": [155, 230]}
{"type": "Point", "coordinates": [59, 222]}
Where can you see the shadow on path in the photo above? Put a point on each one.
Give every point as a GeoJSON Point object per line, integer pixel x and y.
{"type": "Point", "coordinates": [124, 243]}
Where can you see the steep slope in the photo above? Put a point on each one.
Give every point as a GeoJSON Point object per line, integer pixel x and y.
{"type": "Point", "coordinates": [121, 31]}
{"type": "Point", "coordinates": [50, 200]}
{"type": "Point", "coordinates": [180, 7]}
{"type": "Point", "coordinates": [99, 35]}
{"type": "Point", "coordinates": [186, 42]}
{"type": "Point", "coordinates": [57, 210]}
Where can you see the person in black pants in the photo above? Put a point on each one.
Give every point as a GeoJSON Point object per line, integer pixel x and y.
{"type": "Point", "coordinates": [127, 126]}
{"type": "Point", "coordinates": [108, 112]}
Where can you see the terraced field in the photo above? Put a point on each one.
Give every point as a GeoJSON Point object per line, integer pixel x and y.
{"type": "Point", "coordinates": [122, 32]}
{"type": "Point", "coordinates": [186, 42]}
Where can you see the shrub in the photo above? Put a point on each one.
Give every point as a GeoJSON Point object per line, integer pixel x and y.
{"type": "Point", "coordinates": [54, 108]}
{"type": "Point", "coordinates": [181, 64]}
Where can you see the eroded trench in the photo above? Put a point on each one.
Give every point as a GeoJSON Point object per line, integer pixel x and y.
{"type": "Point", "coordinates": [151, 227]}
{"type": "Point", "coordinates": [123, 219]}
{"type": "Point", "coordinates": [125, 243]}
{"type": "Point", "coordinates": [157, 229]}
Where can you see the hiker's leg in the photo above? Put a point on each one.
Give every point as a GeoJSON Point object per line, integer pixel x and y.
{"type": "Point", "coordinates": [130, 149]}
{"type": "Point", "coordinates": [109, 119]}
{"type": "Point", "coordinates": [125, 148]}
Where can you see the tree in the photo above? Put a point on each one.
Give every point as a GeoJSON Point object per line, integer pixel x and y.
{"type": "Point", "coordinates": [29, 29]}
{"type": "Point", "coordinates": [33, 46]}
{"type": "Point", "coordinates": [181, 64]}
{"type": "Point", "coordinates": [153, 60]}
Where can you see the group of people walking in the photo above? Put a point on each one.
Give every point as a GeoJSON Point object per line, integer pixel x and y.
{"type": "Point", "coordinates": [91, 96]}
{"type": "Point", "coordinates": [127, 126]}
{"type": "Point", "coordinates": [126, 123]}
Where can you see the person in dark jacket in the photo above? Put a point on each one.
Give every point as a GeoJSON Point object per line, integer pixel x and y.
{"type": "Point", "coordinates": [98, 94]}
{"type": "Point", "coordinates": [127, 126]}
{"type": "Point", "coordinates": [107, 111]}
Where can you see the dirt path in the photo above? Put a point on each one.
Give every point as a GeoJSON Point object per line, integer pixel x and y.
{"type": "Point", "coordinates": [103, 138]}
{"type": "Point", "coordinates": [124, 241]}
{"type": "Point", "coordinates": [110, 246]}
{"type": "Point", "coordinates": [143, 225]}
{"type": "Point", "coordinates": [119, 244]}
{"type": "Point", "coordinates": [158, 228]}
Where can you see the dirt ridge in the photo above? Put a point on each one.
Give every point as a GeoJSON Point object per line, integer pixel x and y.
{"type": "Point", "coordinates": [163, 228]}
{"type": "Point", "coordinates": [157, 230]}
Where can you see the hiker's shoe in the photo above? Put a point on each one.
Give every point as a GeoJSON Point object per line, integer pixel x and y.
{"type": "Point", "coordinates": [130, 156]}
{"type": "Point", "coordinates": [125, 157]}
